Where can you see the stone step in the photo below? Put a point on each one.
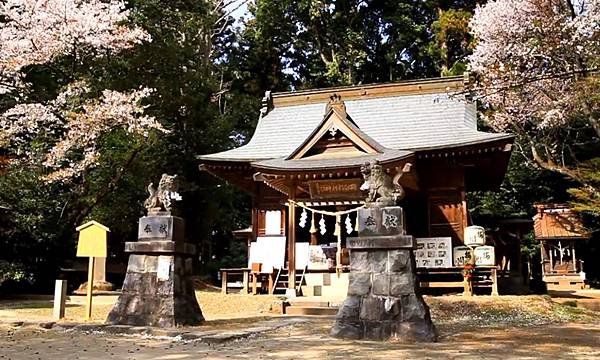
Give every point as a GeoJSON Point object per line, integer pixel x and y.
{"type": "Point", "coordinates": [310, 310]}
{"type": "Point", "coordinates": [308, 303]}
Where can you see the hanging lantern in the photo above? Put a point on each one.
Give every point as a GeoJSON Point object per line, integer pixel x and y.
{"type": "Point", "coordinates": [313, 227]}
{"type": "Point", "coordinates": [322, 225]}
{"type": "Point", "coordinates": [348, 224]}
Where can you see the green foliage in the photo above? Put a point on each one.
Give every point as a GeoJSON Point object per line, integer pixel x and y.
{"type": "Point", "coordinates": [585, 198]}
{"type": "Point", "coordinates": [32, 239]}
{"type": "Point", "coordinates": [319, 43]}
{"type": "Point", "coordinates": [13, 271]}
{"type": "Point", "coordinates": [523, 186]}
{"type": "Point", "coordinates": [452, 40]}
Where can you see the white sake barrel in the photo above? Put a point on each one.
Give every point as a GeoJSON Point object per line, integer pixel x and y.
{"type": "Point", "coordinates": [485, 256]}
{"type": "Point", "coordinates": [474, 235]}
{"type": "Point", "coordinates": [461, 255]}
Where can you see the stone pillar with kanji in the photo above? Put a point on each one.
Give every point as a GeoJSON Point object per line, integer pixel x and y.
{"type": "Point", "coordinates": [383, 300]}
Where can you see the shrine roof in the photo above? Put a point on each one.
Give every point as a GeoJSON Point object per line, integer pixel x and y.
{"type": "Point", "coordinates": [282, 163]}
{"type": "Point", "coordinates": [409, 116]}
{"type": "Point", "coordinates": [557, 221]}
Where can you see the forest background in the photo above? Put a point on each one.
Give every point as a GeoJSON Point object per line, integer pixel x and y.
{"type": "Point", "coordinates": [99, 98]}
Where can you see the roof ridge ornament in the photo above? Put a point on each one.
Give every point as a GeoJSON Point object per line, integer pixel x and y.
{"type": "Point", "coordinates": [267, 103]}
{"type": "Point", "coordinates": [335, 102]}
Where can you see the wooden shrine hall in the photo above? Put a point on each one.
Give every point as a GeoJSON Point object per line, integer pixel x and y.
{"type": "Point", "coordinates": [562, 238]}
{"type": "Point", "coordinates": [307, 151]}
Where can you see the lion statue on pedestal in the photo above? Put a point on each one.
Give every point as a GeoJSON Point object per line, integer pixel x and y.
{"type": "Point", "coordinates": [160, 199]}
{"type": "Point", "coordinates": [382, 189]}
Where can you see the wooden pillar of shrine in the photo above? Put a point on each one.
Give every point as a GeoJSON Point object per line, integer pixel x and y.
{"type": "Point", "coordinates": [291, 239]}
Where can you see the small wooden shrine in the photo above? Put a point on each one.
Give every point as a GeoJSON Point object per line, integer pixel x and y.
{"type": "Point", "coordinates": [560, 233]}
{"type": "Point", "coordinates": [303, 167]}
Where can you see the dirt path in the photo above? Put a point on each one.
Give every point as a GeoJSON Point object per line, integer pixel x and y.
{"type": "Point", "coordinates": [310, 341]}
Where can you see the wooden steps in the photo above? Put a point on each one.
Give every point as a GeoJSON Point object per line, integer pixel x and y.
{"type": "Point", "coordinates": [282, 280]}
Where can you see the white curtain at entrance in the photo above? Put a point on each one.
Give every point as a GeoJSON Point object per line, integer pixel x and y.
{"type": "Point", "coordinates": [273, 222]}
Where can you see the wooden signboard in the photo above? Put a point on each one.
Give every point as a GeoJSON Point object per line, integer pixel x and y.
{"type": "Point", "coordinates": [92, 244]}
{"type": "Point", "coordinates": [336, 189]}
{"type": "Point", "coordinates": [92, 240]}
{"type": "Point", "coordinates": [434, 252]}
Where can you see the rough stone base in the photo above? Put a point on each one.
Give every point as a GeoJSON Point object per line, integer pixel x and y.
{"type": "Point", "coordinates": [383, 301]}
{"type": "Point", "coordinates": [98, 287]}
{"type": "Point", "coordinates": [157, 297]}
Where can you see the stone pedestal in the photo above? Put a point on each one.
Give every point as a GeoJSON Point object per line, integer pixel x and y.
{"type": "Point", "coordinates": [383, 301]}
{"type": "Point", "coordinates": [158, 289]}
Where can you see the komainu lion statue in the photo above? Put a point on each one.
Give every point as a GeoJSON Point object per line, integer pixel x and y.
{"type": "Point", "coordinates": [382, 189]}
{"type": "Point", "coordinates": [160, 198]}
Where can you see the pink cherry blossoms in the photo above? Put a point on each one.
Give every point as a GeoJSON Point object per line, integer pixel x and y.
{"type": "Point", "coordinates": [36, 32]}
{"type": "Point", "coordinates": [535, 58]}
{"type": "Point", "coordinates": [77, 127]}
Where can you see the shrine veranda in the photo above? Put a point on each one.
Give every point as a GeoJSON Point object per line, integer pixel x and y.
{"type": "Point", "coordinates": [302, 167]}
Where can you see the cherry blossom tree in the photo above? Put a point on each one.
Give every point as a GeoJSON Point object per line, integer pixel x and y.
{"type": "Point", "coordinates": [537, 65]}
{"type": "Point", "coordinates": [37, 31]}
{"type": "Point", "coordinates": [34, 32]}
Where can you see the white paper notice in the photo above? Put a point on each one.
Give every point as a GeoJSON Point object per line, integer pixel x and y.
{"type": "Point", "coordinates": [163, 268]}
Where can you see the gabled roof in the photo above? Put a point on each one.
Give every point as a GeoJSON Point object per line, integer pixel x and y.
{"type": "Point", "coordinates": [90, 223]}
{"type": "Point", "coordinates": [557, 221]}
{"type": "Point", "coordinates": [336, 119]}
{"type": "Point", "coordinates": [409, 116]}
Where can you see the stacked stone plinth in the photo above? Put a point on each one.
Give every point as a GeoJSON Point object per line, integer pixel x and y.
{"type": "Point", "coordinates": [383, 301]}
{"type": "Point", "coordinates": [158, 289]}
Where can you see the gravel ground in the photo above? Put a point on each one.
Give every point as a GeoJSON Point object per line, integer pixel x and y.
{"type": "Point", "coordinates": [215, 306]}
{"type": "Point", "coordinates": [528, 327]}
{"type": "Point", "coordinates": [310, 341]}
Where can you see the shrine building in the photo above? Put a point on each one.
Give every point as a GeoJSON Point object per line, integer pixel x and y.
{"type": "Point", "coordinates": [303, 169]}
{"type": "Point", "coordinates": [562, 238]}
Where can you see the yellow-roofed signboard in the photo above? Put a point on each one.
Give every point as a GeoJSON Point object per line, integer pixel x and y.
{"type": "Point", "coordinates": [92, 240]}
{"type": "Point", "coordinates": [92, 244]}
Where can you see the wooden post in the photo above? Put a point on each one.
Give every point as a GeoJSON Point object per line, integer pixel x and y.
{"type": "Point", "coordinates": [494, 277]}
{"type": "Point", "coordinates": [543, 256]}
{"type": "Point", "coordinates": [245, 281]}
{"type": "Point", "coordinates": [551, 258]}
{"type": "Point", "coordinates": [254, 276]}
{"type": "Point", "coordinates": [271, 285]}
{"type": "Point", "coordinates": [60, 296]}
{"type": "Point", "coordinates": [90, 286]}
{"type": "Point", "coordinates": [468, 288]}
{"type": "Point", "coordinates": [573, 256]}
{"type": "Point", "coordinates": [292, 240]}
{"type": "Point", "coordinates": [314, 239]}
{"type": "Point", "coordinates": [224, 282]}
